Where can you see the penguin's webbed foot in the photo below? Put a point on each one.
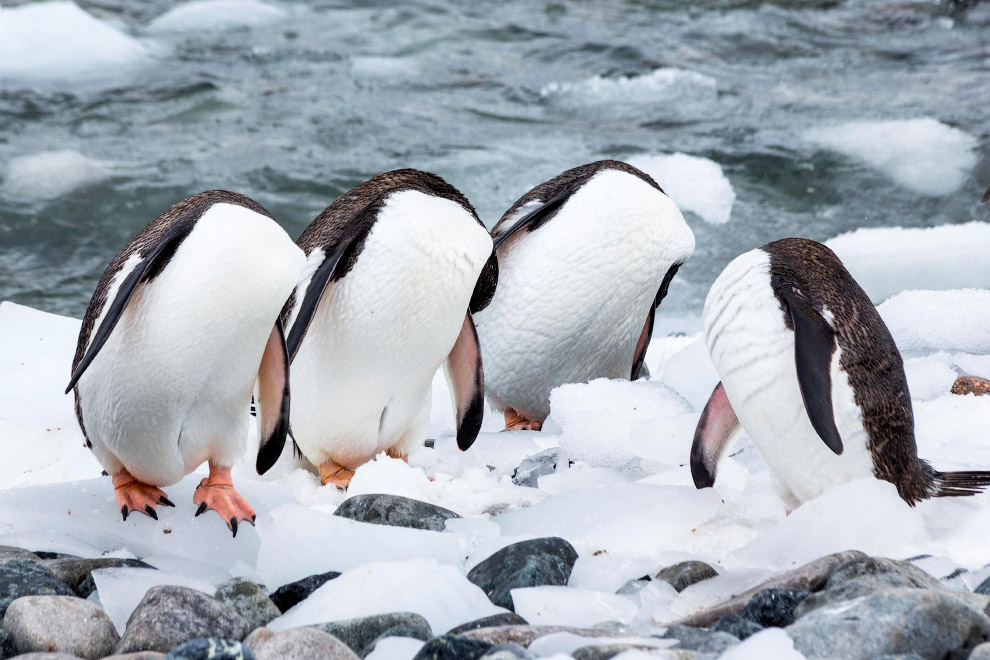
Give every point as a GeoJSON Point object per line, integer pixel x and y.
{"type": "Point", "coordinates": [516, 421]}
{"type": "Point", "coordinates": [133, 495]}
{"type": "Point", "coordinates": [338, 475]}
{"type": "Point", "coordinates": [217, 493]}
{"type": "Point", "coordinates": [392, 452]}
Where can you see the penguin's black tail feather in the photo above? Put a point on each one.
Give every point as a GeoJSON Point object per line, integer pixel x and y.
{"type": "Point", "coordinates": [960, 484]}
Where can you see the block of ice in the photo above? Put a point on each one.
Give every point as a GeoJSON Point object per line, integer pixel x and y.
{"type": "Point", "coordinates": [928, 377]}
{"type": "Point", "coordinates": [606, 573]}
{"type": "Point", "coordinates": [50, 174]}
{"type": "Point", "coordinates": [664, 83]}
{"type": "Point", "coordinates": [569, 606]}
{"type": "Point", "coordinates": [888, 260]}
{"type": "Point", "coordinates": [769, 643]}
{"type": "Point", "coordinates": [121, 589]}
{"type": "Point", "coordinates": [695, 184]}
{"type": "Point", "coordinates": [939, 320]}
{"type": "Point", "coordinates": [439, 593]}
{"type": "Point", "coordinates": [691, 374]}
{"type": "Point", "coordinates": [215, 15]}
{"type": "Point", "coordinates": [923, 154]}
{"type": "Point", "coordinates": [972, 365]}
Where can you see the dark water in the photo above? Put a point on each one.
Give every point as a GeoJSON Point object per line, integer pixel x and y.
{"type": "Point", "coordinates": [296, 112]}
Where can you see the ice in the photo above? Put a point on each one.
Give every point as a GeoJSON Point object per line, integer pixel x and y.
{"type": "Point", "coordinates": [972, 365]}
{"type": "Point", "coordinates": [888, 260]}
{"type": "Point", "coordinates": [928, 378]}
{"type": "Point", "coordinates": [606, 573]}
{"type": "Point", "coordinates": [58, 41]}
{"type": "Point", "coordinates": [619, 96]}
{"type": "Point", "coordinates": [439, 593]}
{"type": "Point", "coordinates": [121, 589]}
{"type": "Point", "coordinates": [50, 174]}
{"type": "Point", "coordinates": [769, 643]}
{"type": "Point", "coordinates": [395, 648]}
{"type": "Point", "coordinates": [215, 15]}
{"type": "Point", "coordinates": [569, 606]}
{"type": "Point", "coordinates": [923, 154]}
{"type": "Point", "coordinates": [695, 184]}
{"type": "Point", "coordinates": [939, 320]}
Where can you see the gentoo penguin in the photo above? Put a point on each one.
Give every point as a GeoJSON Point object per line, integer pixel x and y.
{"type": "Point", "coordinates": [183, 324]}
{"type": "Point", "coordinates": [395, 267]}
{"type": "Point", "coordinates": [584, 261]}
{"type": "Point", "coordinates": [812, 374]}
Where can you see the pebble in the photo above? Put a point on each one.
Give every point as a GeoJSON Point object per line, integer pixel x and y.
{"type": "Point", "coordinates": [289, 595]}
{"type": "Point", "coordinates": [737, 626]}
{"type": "Point", "coordinates": [168, 615]}
{"type": "Point", "coordinates": [453, 647]}
{"type": "Point", "coordinates": [46, 656]}
{"type": "Point", "coordinates": [249, 599]}
{"type": "Point", "coordinates": [683, 575]}
{"type": "Point", "coordinates": [396, 511]}
{"type": "Point", "coordinates": [700, 639]}
{"type": "Point", "coordinates": [971, 385]}
{"type": "Point", "coordinates": [359, 634]}
{"type": "Point", "coordinates": [13, 552]}
{"type": "Point", "coordinates": [24, 577]}
{"type": "Point", "coordinates": [73, 571]}
{"type": "Point", "coordinates": [507, 652]}
{"type": "Point", "coordinates": [535, 466]}
{"type": "Point", "coordinates": [297, 644]}
{"type": "Point", "coordinates": [773, 607]}
{"type": "Point", "coordinates": [60, 623]}
{"type": "Point", "coordinates": [533, 563]}
{"type": "Point", "coordinates": [933, 624]}
{"type": "Point", "coordinates": [139, 655]}
{"type": "Point", "coordinates": [504, 619]}
{"type": "Point", "coordinates": [210, 648]}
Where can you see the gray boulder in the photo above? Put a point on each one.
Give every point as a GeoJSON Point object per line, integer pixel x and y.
{"type": "Point", "coordinates": [249, 599]}
{"type": "Point", "coordinates": [25, 577]}
{"type": "Point", "coordinates": [533, 563]}
{"type": "Point", "coordinates": [13, 552]}
{"type": "Point", "coordinates": [168, 616]}
{"type": "Point", "coordinates": [683, 575]}
{"type": "Point", "coordinates": [65, 624]}
{"type": "Point", "coordinates": [535, 466]}
{"type": "Point", "coordinates": [453, 647]}
{"type": "Point", "coordinates": [289, 595]}
{"type": "Point", "coordinates": [395, 510]}
{"type": "Point", "coordinates": [359, 634]}
{"type": "Point", "coordinates": [504, 619]}
{"type": "Point", "coordinates": [140, 655]}
{"type": "Point", "coordinates": [297, 644]}
{"type": "Point", "coordinates": [208, 648]}
{"type": "Point", "coordinates": [774, 607]}
{"type": "Point", "coordinates": [737, 625]}
{"type": "Point", "coordinates": [699, 639]}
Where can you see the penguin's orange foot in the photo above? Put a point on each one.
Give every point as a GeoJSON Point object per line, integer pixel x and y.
{"type": "Point", "coordinates": [217, 493]}
{"type": "Point", "coordinates": [338, 475]}
{"type": "Point", "coordinates": [134, 495]}
{"type": "Point", "coordinates": [392, 453]}
{"type": "Point", "coordinates": [515, 421]}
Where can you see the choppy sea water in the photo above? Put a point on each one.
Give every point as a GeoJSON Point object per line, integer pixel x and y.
{"type": "Point", "coordinates": [316, 97]}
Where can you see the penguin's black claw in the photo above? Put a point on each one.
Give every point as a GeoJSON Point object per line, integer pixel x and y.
{"type": "Point", "coordinates": [164, 501]}
{"type": "Point", "coordinates": [124, 511]}
{"type": "Point", "coordinates": [151, 512]}
{"type": "Point", "coordinates": [233, 526]}
{"type": "Point", "coordinates": [201, 510]}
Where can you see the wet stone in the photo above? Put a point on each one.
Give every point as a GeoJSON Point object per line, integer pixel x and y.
{"type": "Point", "coordinates": [453, 647]}
{"type": "Point", "coordinates": [700, 639]}
{"type": "Point", "coordinates": [209, 648]}
{"type": "Point", "coordinates": [359, 634]}
{"type": "Point", "coordinates": [60, 623]}
{"type": "Point", "coordinates": [289, 595]}
{"type": "Point", "coordinates": [773, 607]}
{"type": "Point", "coordinates": [396, 511]}
{"type": "Point", "coordinates": [23, 577]}
{"type": "Point", "coordinates": [13, 552]}
{"type": "Point", "coordinates": [73, 571]}
{"type": "Point", "coordinates": [297, 644]}
{"type": "Point", "coordinates": [249, 599]}
{"type": "Point", "coordinates": [504, 619]}
{"type": "Point", "coordinates": [538, 465]}
{"type": "Point", "coordinates": [533, 563]}
{"type": "Point", "coordinates": [737, 626]}
{"type": "Point", "coordinates": [140, 655]}
{"type": "Point", "coordinates": [683, 575]}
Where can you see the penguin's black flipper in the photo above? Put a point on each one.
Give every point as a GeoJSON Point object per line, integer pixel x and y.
{"type": "Point", "coordinates": [484, 289]}
{"type": "Point", "coordinates": [466, 380]}
{"type": "Point", "coordinates": [535, 218]}
{"type": "Point", "coordinates": [986, 196]}
{"type": "Point", "coordinates": [814, 344]}
{"type": "Point", "coordinates": [272, 400]}
{"type": "Point", "coordinates": [147, 269]}
{"type": "Point", "coordinates": [716, 429]}
{"type": "Point", "coordinates": [644, 339]}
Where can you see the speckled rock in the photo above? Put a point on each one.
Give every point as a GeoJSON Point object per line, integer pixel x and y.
{"type": "Point", "coordinates": [699, 639]}
{"type": "Point", "coordinates": [535, 466]}
{"type": "Point", "coordinates": [396, 511]}
{"type": "Point", "coordinates": [7, 648]}
{"type": "Point", "coordinates": [773, 607]}
{"type": "Point", "coordinates": [533, 563]}
{"type": "Point", "coordinates": [360, 633]}
{"type": "Point", "coordinates": [140, 655]}
{"type": "Point", "coordinates": [453, 647]}
{"type": "Point", "coordinates": [737, 626]}
{"type": "Point", "coordinates": [249, 599]}
{"type": "Point", "coordinates": [297, 644]}
{"type": "Point", "coordinates": [24, 577]}
{"type": "Point", "coordinates": [971, 385]}
{"type": "Point", "coordinates": [507, 652]}
{"type": "Point", "coordinates": [291, 594]}
{"type": "Point", "coordinates": [524, 635]}
{"type": "Point", "coordinates": [13, 552]}
{"type": "Point", "coordinates": [933, 624]}
{"type": "Point", "coordinates": [64, 624]}
{"type": "Point", "coordinates": [74, 571]}
{"type": "Point", "coordinates": [41, 655]}
{"type": "Point", "coordinates": [210, 648]}
{"type": "Point", "coordinates": [168, 616]}
{"type": "Point", "coordinates": [683, 575]}
{"type": "Point", "coordinates": [504, 619]}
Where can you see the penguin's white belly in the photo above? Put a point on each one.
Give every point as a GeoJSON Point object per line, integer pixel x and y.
{"type": "Point", "coordinates": [753, 352]}
{"type": "Point", "coordinates": [573, 295]}
{"type": "Point", "coordinates": [361, 380]}
{"type": "Point", "coordinates": [172, 384]}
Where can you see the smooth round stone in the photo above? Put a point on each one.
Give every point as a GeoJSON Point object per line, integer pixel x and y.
{"type": "Point", "coordinates": [773, 607]}
{"type": "Point", "coordinates": [683, 575]}
{"type": "Point", "coordinates": [65, 624]}
{"type": "Point", "coordinates": [533, 563]}
{"type": "Point", "coordinates": [289, 595]}
{"type": "Point", "coordinates": [737, 626]}
{"type": "Point", "coordinates": [24, 577]}
{"type": "Point", "coordinates": [210, 649]}
{"type": "Point", "coordinates": [504, 619]}
{"type": "Point", "coordinates": [396, 511]}
{"type": "Point", "coordinates": [297, 644]}
{"type": "Point", "coordinates": [453, 647]}
{"type": "Point", "coordinates": [361, 633]}
{"type": "Point", "coordinates": [249, 599]}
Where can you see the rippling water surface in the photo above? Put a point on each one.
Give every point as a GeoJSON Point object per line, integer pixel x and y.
{"type": "Point", "coordinates": [494, 97]}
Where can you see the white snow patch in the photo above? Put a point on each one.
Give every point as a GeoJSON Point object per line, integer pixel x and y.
{"type": "Point", "coordinates": [768, 643]}
{"type": "Point", "coordinates": [928, 378]}
{"type": "Point", "coordinates": [933, 320]}
{"type": "Point", "coordinates": [695, 184]}
{"type": "Point", "coordinates": [888, 260]}
{"type": "Point", "coordinates": [923, 154]}
{"type": "Point", "coordinates": [665, 84]}
{"type": "Point", "coordinates": [203, 15]}
{"type": "Point", "coordinates": [50, 174]}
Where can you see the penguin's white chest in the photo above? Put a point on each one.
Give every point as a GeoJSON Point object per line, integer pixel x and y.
{"type": "Point", "coordinates": [361, 380]}
{"type": "Point", "coordinates": [172, 384]}
{"type": "Point", "coordinates": [753, 352]}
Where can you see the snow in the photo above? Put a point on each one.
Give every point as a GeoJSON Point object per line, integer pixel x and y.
{"type": "Point", "coordinates": [695, 184]}
{"type": "Point", "coordinates": [933, 320]}
{"type": "Point", "coordinates": [59, 42]}
{"type": "Point", "coordinates": [50, 174]}
{"type": "Point", "coordinates": [203, 15]}
{"type": "Point", "coordinates": [923, 155]}
{"type": "Point", "coordinates": [769, 643]}
{"type": "Point", "coordinates": [888, 260]}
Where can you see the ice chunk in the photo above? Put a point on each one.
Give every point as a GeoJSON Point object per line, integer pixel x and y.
{"type": "Point", "coordinates": [58, 41]}
{"type": "Point", "coordinates": [50, 174]}
{"type": "Point", "coordinates": [951, 431]}
{"type": "Point", "coordinates": [972, 365]}
{"type": "Point", "coordinates": [568, 606]}
{"type": "Point", "coordinates": [691, 374]}
{"type": "Point", "coordinates": [121, 589]}
{"type": "Point", "coordinates": [622, 94]}
{"type": "Point", "coordinates": [605, 573]}
{"type": "Point", "coordinates": [928, 378]}
{"type": "Point", "coordinates": [769, 643]}
{"type": "Point", "coordinates": [695, 184]}
{"type": "Point", "coordinates": [934, 320]}
{"type": "Point", "coordinates": [395, 648]}
{"type": "Point", "coordinates": [439, 593]}
{"type": "Point", "coordinates": [888, 260]}
{"type": "Point", "coordinates": [215, 15]}
{"type": "Point", "coordinates": [923, 154]}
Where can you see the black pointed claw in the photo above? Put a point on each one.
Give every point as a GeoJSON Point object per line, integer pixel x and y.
{"type": "Point", "coordinates": [164, 501]}
{"type": "Point", "coordinates": [124, 511]}
{"type": "Point", "coordinates": [253, 518]}
{"type": "Point", "coordinates": [151, 512]}
{"type": "Point", "coordinates": [201, 510]}
{"type": "Point", "coordinates": [233, 526]}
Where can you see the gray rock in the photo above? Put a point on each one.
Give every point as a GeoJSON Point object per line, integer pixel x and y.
{"type": "Point", "coordinates": [983, 588]}
{"type": "Point", "coordinates": [773, 607]}
{"type": "Point", "coordinates": [249, 599]}
{"type": "Point", "coordinates": [24, 577]}
{"type": "Point", "coordinates": [535, 466]}
{"type": "Point", "coordinates": [902, 656]}
{"type": "Point", "coordinates": [533, 563]}
{"type": "Point", "coordinates": [64, 624]}
{"type": "Point", "coordinates": [86, 587]}
{"type": "Point", "coordinates": [210, 648]}
{"type": "Point", "coordinates": [504, 619]}
{"type": "Point", "coordinates": [140, 655]}
{"type": "Point", "coordinates": [7, 648]}
{"type": "Point", "coordinates": [289, 595]}
{"type": "Point", "coordinates": [453, 647]}
{"type": "Point", "coordinates": [13, 552]}
{"type": "Point", "coordinates": [411, 632]}
{"type": "Point", "coordinates": [46, 656]}
{"type": "Point", "coordinates": [737, 626]}
{"type": "Point", "coordinates": [507, 652]}
{"type": "Point", "coordinates": [297, 644]}
{"type": "Point", "coordinates": [699, 639]}
{"type": "Point", "coordinates": [395, 510]}
{"type": "Point", "coordinates": [933, 624]}
{"type": "Point", "coordinates": [74, 571]}
{"type": "Point", "coordinates": [683, 575]}
{"type": "Point", "coordinates": [359, 633]}
{"type": "Point", "coordinates": [524, 635]}
{"type": "Point", "coordinates": [606, 651]}
{"type": "Point", "coordinates": [979, 652]}
{"type": "Point", "coordinates": [168, 615]}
